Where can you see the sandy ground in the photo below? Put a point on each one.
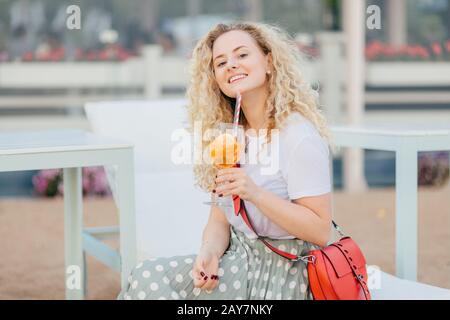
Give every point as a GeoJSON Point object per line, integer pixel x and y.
{"type": "Point", "coordinates": [32, 248]}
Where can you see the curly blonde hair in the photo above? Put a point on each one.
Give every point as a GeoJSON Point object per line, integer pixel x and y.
{"type": "Point", "coordinates": [288, 90]}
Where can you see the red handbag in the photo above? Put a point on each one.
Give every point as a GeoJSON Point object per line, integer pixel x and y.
{"type": "Point", "coordinates": [335, 272]}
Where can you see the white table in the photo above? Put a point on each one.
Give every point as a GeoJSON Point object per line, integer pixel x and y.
{"type": "Point", "coordinates": [72, 150]}
{"type": "Point", "coordinates": [406, 142]}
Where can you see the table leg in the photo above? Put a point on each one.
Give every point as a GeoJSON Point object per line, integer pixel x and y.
{"type": "Point", "coordinates": [126, 199]}
{"type": "Point", "coordinates": [73, 243]}
{"type": "Point", "coordinates": [406, 213]}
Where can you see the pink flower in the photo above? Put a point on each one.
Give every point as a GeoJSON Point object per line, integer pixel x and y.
{"type": "Point", "coordinates": [46, 182]}
{"type": "Point", "coordinates": [28, 56]}
{"type": "Point", "coordinates": [373, 50]}
{"type": "Point", "coordinates": [79, 54]}
{"type": "Point", "coordinates": [50, 173]}
{"type": "Point", "coordinates": [377, 45]}
{"type": "Point", "coordinates": [95, 182]}
{"type": "Point", "coordinates": [100, 183]}
{"type": "Point", "coordinates": [411, 51]}
{"type": "Point", "coordinates": [390, 51]}
{"type": "Point", "coordinates": [40, 184]}
{"type": "Point", "coordinates": [92, 55]}
{"type": "Point", "coordinates": [437, 49]}
{"type": "Point", "coordinates": [50, 183]}
{"type": "Point", "coordinates": [403, 50]}
{"type": "Point", "coordinates": [423, 52]}
{"type": "Point", "coordinates": [61, 188]}
{"type": "Point", "coordinates": [86, 182]}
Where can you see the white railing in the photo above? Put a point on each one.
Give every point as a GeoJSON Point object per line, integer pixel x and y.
{"type": "Point", "coordinates": [151, 72]}
{"type": "Point", "coordinates": [406, 142]}
{"type": "Point", "coordinates": [155, 76]}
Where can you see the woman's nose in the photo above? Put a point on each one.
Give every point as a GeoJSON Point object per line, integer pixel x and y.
{"type": "Point", "coordinates": [232, 64]}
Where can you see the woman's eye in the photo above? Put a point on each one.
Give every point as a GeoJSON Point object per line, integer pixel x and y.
{"type": "Point", "coordinates": [221, 64]}
{"type": "Point", "coordinates": [242, 55]}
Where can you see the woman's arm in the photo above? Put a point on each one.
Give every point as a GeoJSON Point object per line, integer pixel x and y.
{"type": "Point", "coordinates": [216, 235]}
{"type": "Point", "coordinates": [216, 238]}
{"type": "Point", "coordinates": [307, 218]}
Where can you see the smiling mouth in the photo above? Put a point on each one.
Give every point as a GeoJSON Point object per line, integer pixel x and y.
{"type": "Point", "coordinates": [237, 78]}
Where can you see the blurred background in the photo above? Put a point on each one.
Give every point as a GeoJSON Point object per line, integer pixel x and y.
{"type": "Point", "coordinates": [139, 49]}
{"type": "Point", "coordinates": [48, 71]}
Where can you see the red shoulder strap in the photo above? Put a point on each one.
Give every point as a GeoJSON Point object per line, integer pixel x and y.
{"type": "Point", "coordinates": [239, 209]}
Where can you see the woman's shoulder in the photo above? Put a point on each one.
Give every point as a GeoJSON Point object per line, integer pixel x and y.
{"type": "Point", "coordinates": [296, 127]}
{"type": "Point", "coordinates": [300, 139]}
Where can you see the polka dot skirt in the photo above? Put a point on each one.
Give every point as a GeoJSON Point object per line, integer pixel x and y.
{"type": "Point", "coordinates": [247, 270]}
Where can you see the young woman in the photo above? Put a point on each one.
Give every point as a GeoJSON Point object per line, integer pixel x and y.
{"type": "Point", "coordinates": [289, 204]}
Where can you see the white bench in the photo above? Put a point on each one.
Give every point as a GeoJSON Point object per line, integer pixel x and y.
{"type": "Point", "coordinates": [169, 210]}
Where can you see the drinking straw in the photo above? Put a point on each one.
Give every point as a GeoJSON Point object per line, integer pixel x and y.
{"type": "Point", "coordinates": [237, 109]}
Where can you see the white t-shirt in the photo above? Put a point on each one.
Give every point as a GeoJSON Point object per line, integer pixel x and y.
{"type": "Point", "coordinates": [295, 164]}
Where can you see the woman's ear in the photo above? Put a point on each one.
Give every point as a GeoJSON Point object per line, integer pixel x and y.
{"type": "Point", "coordinates": [269, 61]}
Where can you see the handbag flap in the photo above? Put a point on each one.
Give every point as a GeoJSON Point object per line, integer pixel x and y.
{"type": "Point", "coordinates": [337, 259]}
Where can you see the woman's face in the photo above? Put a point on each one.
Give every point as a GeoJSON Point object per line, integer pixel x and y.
{"type": "Point", "coordinates": [239, 63]}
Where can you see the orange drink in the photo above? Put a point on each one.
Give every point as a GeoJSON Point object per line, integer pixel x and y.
{"type": "Point", "coordinates": [224, 151]}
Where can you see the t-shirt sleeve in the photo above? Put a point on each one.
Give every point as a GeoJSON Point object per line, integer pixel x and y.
{"type": "Point", "coordinates": [308, 168]}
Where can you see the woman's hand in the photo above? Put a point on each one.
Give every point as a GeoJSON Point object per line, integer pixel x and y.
{"type": "Point", "coordinates": [238, 184]}
{"type": "Point", "coordinates": [205, 269]}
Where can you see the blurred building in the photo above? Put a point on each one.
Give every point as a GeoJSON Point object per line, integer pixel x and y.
{"type": "Point", "coordinates": [123, 45]}
{"type": "Point", "coordinates": [26, 22]}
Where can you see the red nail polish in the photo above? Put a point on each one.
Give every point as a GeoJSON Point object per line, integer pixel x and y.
{"type": "Point", "coordinates": [205, 278]}
{"type": "Point", "coordinates": [220, 195]}
{"type": "Point", "coordinates": [214, 191]}
{"type": "Point", "coordinates": [202, 273]}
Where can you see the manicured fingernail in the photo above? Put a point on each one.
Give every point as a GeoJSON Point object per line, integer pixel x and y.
{"type": "Point", "coordinates": [205, 278]}
{"type": "Point", "coordinates": [220, 195]}
{"type": "Point", "coordinates": [202, 273]}
{"type": "Point", "coordinates": [214, 191]}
